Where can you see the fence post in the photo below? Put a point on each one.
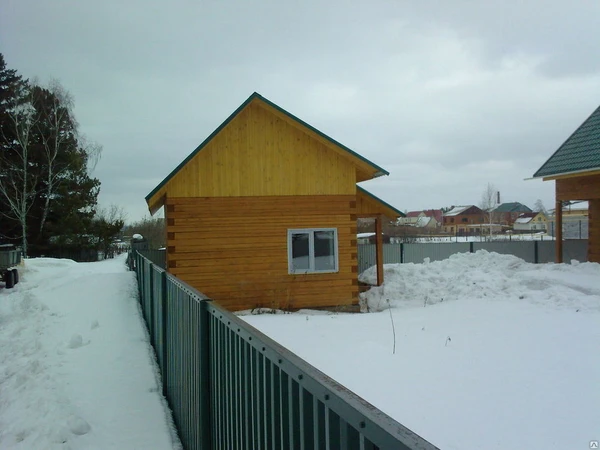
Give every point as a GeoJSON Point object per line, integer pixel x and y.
{"type": "Point", "coordinates": [471, 247]}
{"type": "Point", "coordinates": [150, 305]}
{"type": "Point", "coordinates": [535, 252]}
{"type": "Point", "coordinates": [401, 252]}
{"type": "Point", "coordinates": [163, 305]}
{"type": "Point", "coordinates": [205, 336]}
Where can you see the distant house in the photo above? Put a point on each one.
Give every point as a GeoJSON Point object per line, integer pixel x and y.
{"type": "Point", "coordinates": [531, 221]}
{"type": "Point", "coordinates": [575, 167]}
{"type": "Point", "coordinates": [430, 219]}
{"type": "Point", "coordinates": [458, 219]}
{"type": "Point", "coordinates": [264, 212]}
{"type": "Point", "coordinates": [506, 213]}
{"type": "Point", "coordinates": [411, 218]}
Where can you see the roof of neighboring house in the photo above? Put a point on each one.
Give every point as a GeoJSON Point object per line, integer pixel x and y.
{"type": "Point", "coordinates": [364, 235]}
{"type": "Point", "coordinates": [526, 217]}
{"type": "Point", "coordinates": [576, 206]}
{"type": "Point", "coordinates": [579, 153]}
{"type": "Point", "coordinates": [512, 207]}
{"type": "Point", "coordinates": [435, 213]}
{"type": "Point", "coordinates": [455, 211]}
{"type": "Point", "coordinates": [376, 170]}
{"type": "Point", "coordinates": [423, 221]}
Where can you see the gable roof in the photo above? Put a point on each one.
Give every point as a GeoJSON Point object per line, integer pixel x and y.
{"type": "Point", "coordinates": [365, 197]}
{"type": "Point", "coordinates": [527, 217]}
{"type": "Point", "coordinates": [375, 170]}
{"type": "Point", "coordinates": [579, 153]}
{"type": "Point", "coordinates": [435, 213]}
{"type": "Point", "coordinates": [413, 213]}
{"type": "Point", "coordinates": [512, 207]}
{"type": "Point", "coordinates": [456, 210]}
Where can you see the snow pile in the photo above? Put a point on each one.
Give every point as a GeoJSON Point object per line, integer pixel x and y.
{"type": "Point", "coordinates": [75, 364]}
{"type": "Point", "coordinates": [508, 359]}
{"type": "Point", "coordinates": [484, 275]}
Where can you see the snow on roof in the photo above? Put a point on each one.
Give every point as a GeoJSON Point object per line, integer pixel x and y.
{"type": "Point", "coordinates": [457, 210]}
{"type": "Point", "coordinates": [364, 235]}
{"type": "Point", "coordinates": [423, 221]}
{"type": "Point", "coordinates": [576, 206]}
{"type": "Point", "coordinates": [523, 220]}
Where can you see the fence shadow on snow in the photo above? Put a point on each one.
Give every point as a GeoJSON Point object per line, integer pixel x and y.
{"type": "Point", "coordinates": [232, 387]}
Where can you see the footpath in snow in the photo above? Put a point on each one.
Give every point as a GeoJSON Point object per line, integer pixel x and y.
{"type": "Point", "coordinates": [491, 352]}
{"type": "Point", "coordinates": [76, 367]}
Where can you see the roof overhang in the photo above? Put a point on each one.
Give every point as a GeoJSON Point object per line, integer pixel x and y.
{"type": "Point", "coordinates": [575, 173]}
{"type": "Point", "coordinates": [368, 205]}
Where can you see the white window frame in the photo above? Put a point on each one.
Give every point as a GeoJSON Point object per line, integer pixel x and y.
{"type": "Point", "coordinates": [311, 250]}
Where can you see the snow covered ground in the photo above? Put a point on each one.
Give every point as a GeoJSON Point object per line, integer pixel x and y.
{"type": "Point", "coordinates": [76, 369]}
{"type": "Point", "coordinates": [491, 352]}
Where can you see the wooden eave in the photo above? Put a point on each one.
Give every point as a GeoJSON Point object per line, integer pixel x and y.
{"type": "Point", "coordinates": [562, 176]}
{"type": "Point", "coordinates": [368, 205]}
{"type": "Point", "coordinates": [365, 169]}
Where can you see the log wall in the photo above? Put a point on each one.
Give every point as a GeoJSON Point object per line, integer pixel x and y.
{"type": "Point", "coordinates": [234, 249]}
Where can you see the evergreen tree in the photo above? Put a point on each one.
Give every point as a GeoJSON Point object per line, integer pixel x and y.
{"type": "Point", "coordinates": [46, 193]}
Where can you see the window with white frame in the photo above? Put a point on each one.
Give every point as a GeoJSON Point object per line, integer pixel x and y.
{"type": "Point", "coordinates": [312, 250]}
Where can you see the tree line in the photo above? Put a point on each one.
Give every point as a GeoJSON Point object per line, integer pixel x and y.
{"type": "Point", "coordinates": [48, 198]}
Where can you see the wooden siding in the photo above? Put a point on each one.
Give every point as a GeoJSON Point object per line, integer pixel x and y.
{"type": "Point", "coordinates": [234, 249]}
{"type": "Point", "coordinates": [594, 231]}
{"type": "Point", "coordinates": [260, 154]}
{"type": "Point", "coordinates": [367, 206]}
{"type": "Point", "coordinates": [578, 188]}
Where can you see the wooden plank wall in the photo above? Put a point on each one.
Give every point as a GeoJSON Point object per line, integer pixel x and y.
{"type": "Point", "coordinates": [578, 188]}
{"type": "Point", "coordinates": [234, 249]}
{"type": "Point", "coordinates": [594, 231]}
{"type": "Point", "coordinates": [258, 154]}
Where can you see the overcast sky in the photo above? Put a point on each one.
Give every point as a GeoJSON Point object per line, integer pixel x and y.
{"type": "Point", "coordinates": [446, 95]}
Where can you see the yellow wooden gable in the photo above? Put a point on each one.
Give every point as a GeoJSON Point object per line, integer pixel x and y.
{"type": "Point", "coordinates": [262, 150]}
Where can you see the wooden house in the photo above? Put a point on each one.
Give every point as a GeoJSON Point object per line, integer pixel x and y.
{"type": "Point", "coordinates": [264, 213]}
{"type": "Point", "coordinates": [575, 167]}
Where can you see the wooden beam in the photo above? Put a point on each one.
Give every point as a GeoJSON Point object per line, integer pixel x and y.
{"type": "Point", "coordinates": [578, 188]}
{"type": "Point", "coordinates": [558, 235]}
{"type": "Point", "coordinates": [379, 249]}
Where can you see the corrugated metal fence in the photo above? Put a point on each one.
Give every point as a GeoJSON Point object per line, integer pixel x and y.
{"type": "Point", "coordinates": [530, 251]}
{"type": "Point", "coordinates": [231, 387]}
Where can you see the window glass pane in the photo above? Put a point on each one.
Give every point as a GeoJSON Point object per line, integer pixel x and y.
{"type": "Point", "coordinates": [324, 250]}
{"type": "Point", "coordinates": [300, 251]}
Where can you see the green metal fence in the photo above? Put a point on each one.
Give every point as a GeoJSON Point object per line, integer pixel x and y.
{"type": "Point", "coordinates": [232, 387]}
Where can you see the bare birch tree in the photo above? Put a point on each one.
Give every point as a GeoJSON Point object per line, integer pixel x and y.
{"type": "Point", "coordinates": [488, 203]}
{"type": "Point", "coordinates": [57, 128]}
{"type": "Point", "coordinates": [17, 184]}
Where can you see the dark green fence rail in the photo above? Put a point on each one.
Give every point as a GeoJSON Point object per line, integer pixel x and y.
{"type": "Point", "coordinates": [231, 387]}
